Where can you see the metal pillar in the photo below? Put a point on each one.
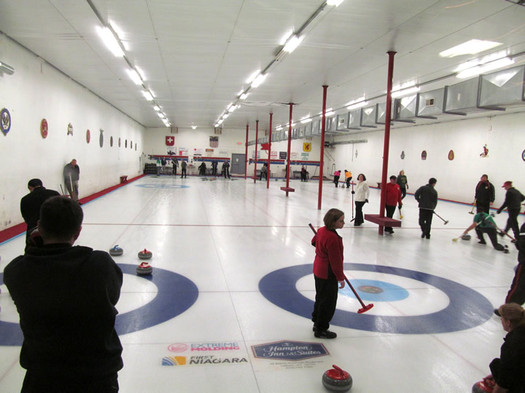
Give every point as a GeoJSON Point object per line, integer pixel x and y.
{"type": "Point", "coordinates": [269, 152]}
{"type": "Point", "coordinates": [255, 162]}
{"type": "Point", "coordinates": [386, 143]}
{"type": "Point", "coordinates": [246, 152]}
{"type": "Point", "coordinates": [321, 159]}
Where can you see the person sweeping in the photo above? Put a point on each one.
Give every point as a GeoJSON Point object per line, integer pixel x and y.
{"type": "Point", "coordinates": [328, 272]}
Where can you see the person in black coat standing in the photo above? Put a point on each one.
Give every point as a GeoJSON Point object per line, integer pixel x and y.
{"type": "Point", "coordinates": [427, 198]}
{"type": "Point", "coordinates": [485, 195]}
{"type": "Point", "coordinates": [513, 199]}
{"type": "Point", "coordinates": [31, 203]}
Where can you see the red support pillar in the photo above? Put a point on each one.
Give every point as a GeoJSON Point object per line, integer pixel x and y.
{"type": "Point", "coordinates": [255, 162]}
{"type": "Point", "coordinates": [321, 159]}
{"type": "Point", "coordinates": [269, 152]}
{"type": "Point", "coordinates": [386, 144]}
{"type": "Point", "coordinates": [288, 154]}
{"type": "Point", "coordinates": [246, 153]}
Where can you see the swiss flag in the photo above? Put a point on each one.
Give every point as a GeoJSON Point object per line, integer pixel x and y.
{"type": "Point", "coordinates": [170, 141]}
{"type": "Point", "coordinates": [265, 146]}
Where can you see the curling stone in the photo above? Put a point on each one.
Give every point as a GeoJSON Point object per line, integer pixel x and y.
{"type": "Point", "coordinates": [144, 269]}
{"type": "Point", "coordinates": [337, 380]}
{"type": "Point", "coordinates": [466, 237]}
{"type": "Point", "coordinates": [506, 250]}
{"type": "Point", "coordinates": [484, 386]}
{"type": "Point", "coordinates": [116, 251]}
{"type": "Point", "coordinates": [145, 254]}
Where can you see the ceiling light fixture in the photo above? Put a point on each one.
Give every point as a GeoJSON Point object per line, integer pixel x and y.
{"type": "Point", "coordinates": [252, 77]}
{"type": "Point", "coordinates": [110, 40]}
{"type": "Point", "coordinates": [134, 76]}
{"type": "Point", "coordinates": [147, 95]}
{"type": "Point", "coordinates": [157, 108]}
{"type": "Point", "coordinates": [292, 43]}
{"type": "Point", "coordinates": [334, 3]}
{"type": "Point", "coordinates": [469, 48]}
{"type": "Point", "coordinates": [6, 68]}
{"type": "Point", "coordinates": [193, 127]}
{"type": "Point", "coordinates": [405, 92]}
{"type": "Point", "coordinates": [259, 80]}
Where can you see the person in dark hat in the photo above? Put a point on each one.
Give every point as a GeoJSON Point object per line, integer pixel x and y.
{"type": "Point", "coordinates": [31, 203]}
{"type": "Point", "coordinates": [508, 371]}
{"type": "Point", "coordinates": [513, 199]}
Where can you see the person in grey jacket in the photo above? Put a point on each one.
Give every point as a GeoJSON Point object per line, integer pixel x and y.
{"type": "Point", "coordinates": [71, 176]}
{"type": "Point", "coordinates": [427, 198]}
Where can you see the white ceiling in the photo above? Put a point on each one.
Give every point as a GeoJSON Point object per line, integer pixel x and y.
{"type": "Point", "coordinates": [197, 54]}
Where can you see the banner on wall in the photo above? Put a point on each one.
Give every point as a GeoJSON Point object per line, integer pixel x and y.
{"type": "Point", "coordinates": [170, 140]}
{"type": "Point", "coordinates": [214, 141]}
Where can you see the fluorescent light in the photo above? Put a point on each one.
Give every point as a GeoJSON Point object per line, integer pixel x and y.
{"type": "Point", "coordinates": [293, 43]}
{"type": "Point", "coordinates": [110, 41]}
{"type": "Point", "coordinates": [193, 127]}
{"type": "Point", "coordinates": [134, 76]}
{"type": "Point", "coordinates": [252, 77]}
{"type": "Point", "coordinates": [405, 92]}
{"type": "Point", "coordinates": [161, 115]}
{"type": "Point", "coordinates": [304, 121]}
{"type": "Point", "coordinates": [243, 96]}
{"type": "Point", "coordinates": [157, 108]}
{"type": "Point", "coordinates": [329, 113]}
{"type": "Point", "coordinates": [485, 59]}
{"type": "Point", "coordinates": [147, 95]}
{"type": "Point", "coordinates": [225, 116]}
{"type": "Point", "coordinates": [480, 69]}
{"type": "Point", "coordinates": [285, 37]}
{"type": "Point", "coordinates": [334, 2]}
{"type": "Point", "coordinates": [469, 48]}
{"type": "Point", "coordinates": [6, 68]}
{"type": "Point", "coordinates": [359, 104]}
{"type": "Point", "coordinates": [279, 128]}
{"type": "Point", "coordinates": [259, 80]}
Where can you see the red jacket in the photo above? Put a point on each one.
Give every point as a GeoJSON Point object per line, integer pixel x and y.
{"type": "Point", "coordinates": [392, 194]}
{"type": "Point", "coordinates": [328, 252]}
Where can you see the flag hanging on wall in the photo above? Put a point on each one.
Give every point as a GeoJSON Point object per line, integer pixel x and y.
{"type": "Point", "coordinates": [214, 141]}
{"type": "Point", "coordinates": [170, 140]}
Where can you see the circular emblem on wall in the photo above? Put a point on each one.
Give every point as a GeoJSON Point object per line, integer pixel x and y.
{"type": "Point", "coordinates": [403, 155]}
{"type": "Point", "coordinates": [88, 136]}
{"type": "Point", "coordinates": [118, 142]}
{"type": "Point", "coordinates": [44, 128]}
{"type": "Point", "coordinates": [5, 120]}
{"type": "Point", "coordinates": [101, 138]}
{"type": "Point", "coordinates": [451, 155]}
{"type": "Point", "coordinates": [126, 143]}
{"type": "Point", "coordinates": [111, 141]}
{"type": "Point", "coordinates": [523, 155]}
{"type": "Point", "coordinates": [70, 129]}
{"type": "Point", "coordinates": [424, 155]}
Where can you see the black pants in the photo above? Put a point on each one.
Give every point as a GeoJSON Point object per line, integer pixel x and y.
{"type": "Point", "coordinates": [483, 206]}
{"type": "Point", "coordinates": [516, 292]}
{"type": "Point", "coordinates": [325, 302]}
{"type": "Point", "coordinates": [336, 181]}
{"type": "Point", "coordinates": [348, 180]}
{"type": "Point", "coordinates": [390, 210]}
{"type": "Point", "coordinates": [512, 222]}
{"type": "Point", "coordinates": [425, 220]}
{"type": "Point", "coordinates": [492, 233]}
{"type": "Point", "coordinates": [183, 173]}
{"type": "Point", "coordinates": [44, 383]}
{"type": "Point", "coordinates": [403, 192]}
{"type": "Point", "coordinates": [359, 213]}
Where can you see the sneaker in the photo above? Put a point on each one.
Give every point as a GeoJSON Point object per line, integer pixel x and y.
{"type": "Point", "coordinates": [324, 334]}
{"type": "Point", "coordinates": [482, 242]}
{"type": "Point", "coordinates": [427, 235]}
{"type": "Point", "coordinates": [422, 236]}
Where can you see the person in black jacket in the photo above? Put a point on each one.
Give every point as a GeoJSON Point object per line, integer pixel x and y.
{"type": "Point", "coordinates": [516, 292]}
{"type": "Point", "coordinates": [65, 296]}
{"type": "Point", "coordinates": [427, 198]}
{"type": "Point", "coordinates": [508, 371]}
{"type": "Point", "coordinates": [513, 199]}
{"type": "Point", "coordinates": [71, 175]}
{"type": "Point", "coordinates": [484, 195]}
{"type": "Point", "coordinates": [31, 203]}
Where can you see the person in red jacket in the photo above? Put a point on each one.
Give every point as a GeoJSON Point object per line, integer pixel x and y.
{"type": "Point", "coordinates": [328, 272]}
{"type": "Point", "coordinates": [393, 198]}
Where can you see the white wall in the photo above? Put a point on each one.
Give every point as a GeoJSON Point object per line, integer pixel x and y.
{"type": "Point", "coordinates": [503, 134]}
{"type": "Point", "coordinates": [36, 91]}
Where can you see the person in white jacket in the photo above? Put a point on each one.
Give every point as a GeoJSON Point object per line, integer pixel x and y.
{"type": "Point", "coordinates": [361, 197]}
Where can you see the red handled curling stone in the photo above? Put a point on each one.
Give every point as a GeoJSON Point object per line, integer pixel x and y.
{"type": "Point", "coordinates": [144, 269]}
{"type": "Point", "coordinates": [337, 380]}
{"type": "Point", "coordinates": [145, 254]}
{"type": "Point", "coordinates": [484, 386]}
{"type": "Point", "coordinates": [116, 251]}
